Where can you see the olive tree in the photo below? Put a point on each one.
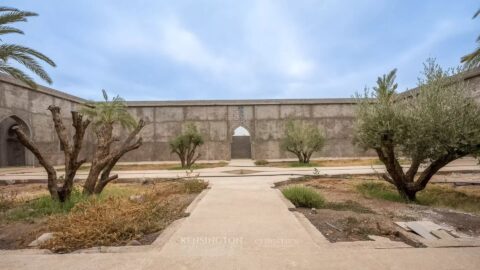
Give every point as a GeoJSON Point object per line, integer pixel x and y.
{"type": "Point", "coordinates": [185, 145]}
{"type": "Point", "coordinates": [433, 125]}
{"type": "Point", "coordinates": [302, 139]}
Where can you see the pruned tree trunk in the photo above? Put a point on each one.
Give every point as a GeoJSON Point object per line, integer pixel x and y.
{"type": "Point", "coordinates": [303, 156]}
{"type": "Point", "coordinates": [187, 156]}
{"type": "Point", "coordinates": [191, 158]}
{"type": "Point", "coordinates": [105, 159]}
{"type": "Point", "coordinates": [71, 150]}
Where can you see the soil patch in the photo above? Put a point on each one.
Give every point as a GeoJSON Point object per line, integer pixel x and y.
{"type": "Point", "coordinates": [351, 216]}
{"type": "Point", "coordinates": [20, 234]}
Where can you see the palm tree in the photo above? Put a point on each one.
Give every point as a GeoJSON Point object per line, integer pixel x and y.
{"type": "Point", "coordinates": [109, 112]}
{"type": "Point", "coordinates": [24, 56]}
{"type": "Point", "coordinates": [472, 60]}
{"type": "Point", "coordinates": [105, 115]}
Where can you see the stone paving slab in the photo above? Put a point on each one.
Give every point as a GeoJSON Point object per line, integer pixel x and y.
{"type": "Point", "coordinates": [242, 223]}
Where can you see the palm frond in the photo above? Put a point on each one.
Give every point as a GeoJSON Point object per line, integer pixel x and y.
{"type": "Point", "coordinates": [105, 95]}
{"type": "Point", "coordinates": [32, 65]}
{"type": "Point", "coordinates": [23, 55]}
{"type": "Point", "coordinates": [476, 14]}
{"type": "Point", "coordinates": [3, 9]}
{"type": "Point", "coordinates": [386, 85]}
{"type": "Point", "coordinates": [113, 111]}
{"type": "Point", "coordinates": [15, 15]}
{"type": "Point", "coordinates": [9, 30]}
{"type": "Point", "coordinates": [17, 74]}
{"type": "Point", "coordinates": [472, 60]}
{"type": "Point", "coordinates": [6, 49]}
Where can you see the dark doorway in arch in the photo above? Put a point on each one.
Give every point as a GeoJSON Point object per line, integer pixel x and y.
{"type": "Point", "coordinates": [241, 144]}
{"type": "Point", "coordinates": [12, 152]}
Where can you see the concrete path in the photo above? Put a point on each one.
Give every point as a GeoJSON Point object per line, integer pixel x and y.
{"type": "Point", "coordinates": [242, 223]}
{"type": "Point", "coordinates": [9, 175]}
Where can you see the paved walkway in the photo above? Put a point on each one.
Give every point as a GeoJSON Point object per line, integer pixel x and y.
{"type": "Point", "coordinates": [38, 174]}
{"type": "Point", "coordinates": [242, 223]}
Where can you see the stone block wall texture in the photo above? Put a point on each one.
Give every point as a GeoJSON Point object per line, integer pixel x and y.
{"type": "Point", "coordinates": [216, 120]}
{"type": "Point", "coordinates": [30, 106]}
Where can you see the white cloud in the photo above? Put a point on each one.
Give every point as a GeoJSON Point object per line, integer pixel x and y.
{"type": "Point", "coordinates": [275, 42]}
{"type": "Point", "coordinates": [182, 45]}
{"type": "Point", "coordinates": [441, 31]}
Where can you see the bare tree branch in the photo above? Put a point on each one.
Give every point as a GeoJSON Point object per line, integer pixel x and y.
{"type": "Point", "coordinates": [51, 173]}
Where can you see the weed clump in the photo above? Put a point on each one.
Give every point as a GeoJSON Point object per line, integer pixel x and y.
{"type": "Point", "coordinates": [261, 162]}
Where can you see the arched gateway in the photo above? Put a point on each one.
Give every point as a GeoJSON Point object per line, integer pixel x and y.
{"type": "Point", "coordinates": [241, 147]}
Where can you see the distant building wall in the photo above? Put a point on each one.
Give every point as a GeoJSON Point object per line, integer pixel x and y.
{"type": "Point", "coordinates": [216, 120]}
{"type": "Point", "coordinates": [264, 119]}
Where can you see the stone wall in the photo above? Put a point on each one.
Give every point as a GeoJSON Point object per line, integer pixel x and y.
{"type": "Point", "coordinates": [28, 106]}
{"type": "Point", "coordinates": [264, 119]}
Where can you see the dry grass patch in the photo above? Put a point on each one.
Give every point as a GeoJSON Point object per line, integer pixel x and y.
{"type": "Point", "coordinates": [115, 221]}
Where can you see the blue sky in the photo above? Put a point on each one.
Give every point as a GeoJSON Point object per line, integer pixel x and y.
{"type": "Point", "coordinates": [177, 50]}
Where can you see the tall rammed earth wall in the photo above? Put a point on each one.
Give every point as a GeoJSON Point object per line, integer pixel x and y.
{"type": "Point", "coordinates": [264, 119]}
{"type": "Point", "coordinates": [216, 120]}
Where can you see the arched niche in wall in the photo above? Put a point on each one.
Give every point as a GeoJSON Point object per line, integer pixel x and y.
{"type": "Point", "coordinates": [241, 147]}
{"type": "Point", "coordinates": [12, 152]}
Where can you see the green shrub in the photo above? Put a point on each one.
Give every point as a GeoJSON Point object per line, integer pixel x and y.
{"type": "Point", "coordinates": [195, 185]}
{"type": "Point", "coordinates": [302, 196]}
{"type": "Point", "coordinates": [45, 206]}
{"type": "Point", "coordinates": [261, 162]}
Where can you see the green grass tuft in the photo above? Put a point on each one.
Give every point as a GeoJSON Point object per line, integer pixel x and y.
{"type": "Point", "coordinates": [302, 196]}
{"type": "Point", "coordinates": [261, 162]}
{"type": "Point", "coordinates": [45, 206]}
{"type": "Point", "coordinates": [348, 205]}
{"type": "Point", "coordinates": [431, 196]}
{"type": "Point", "coordinates": [379, 190]}
{"type": "Point", "coordinates": [300, 164]}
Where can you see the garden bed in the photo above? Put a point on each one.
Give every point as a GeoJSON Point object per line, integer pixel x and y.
{"type": "Point", "coordinates": [121, 214]}
{"type": "Point", "coordinates": [355, 208]}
